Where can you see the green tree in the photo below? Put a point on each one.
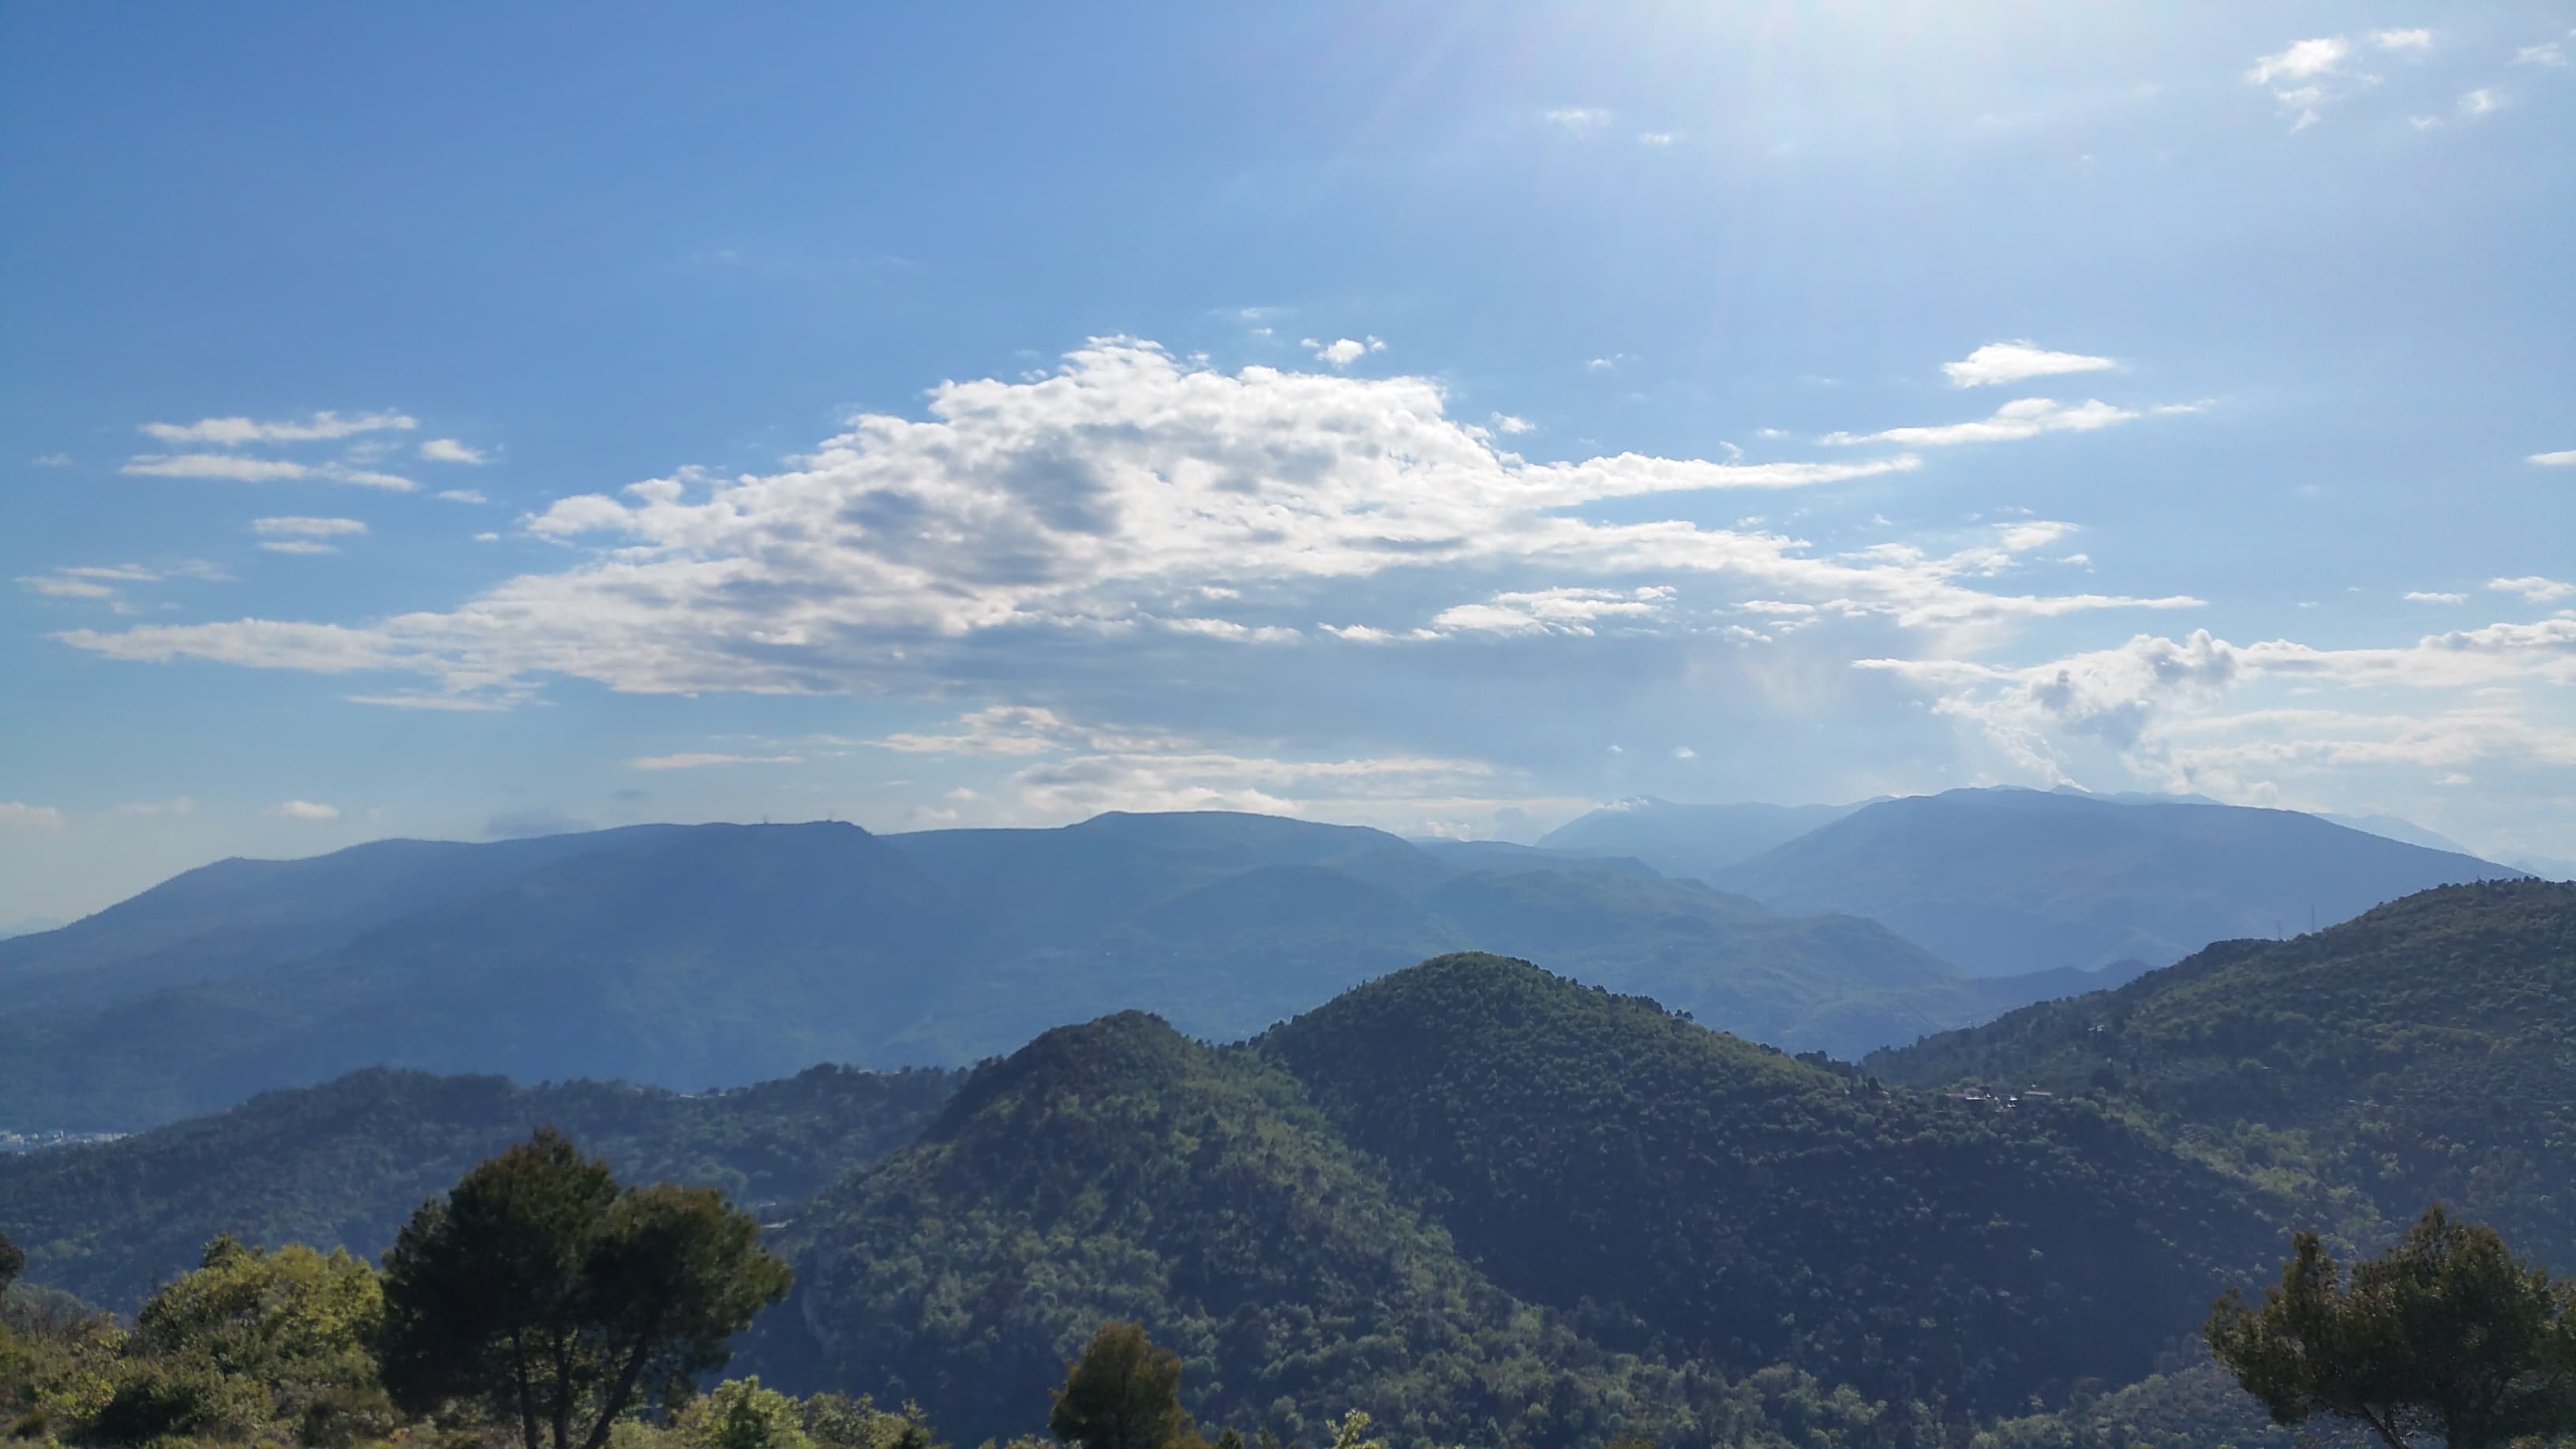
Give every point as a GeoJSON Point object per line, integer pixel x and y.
{"type": "Point", "coordinates": [2444, 1334]}
{"type": "Point", "coordinates": [13, 1261]}
{"type": "Point", "coordinates": [556, 1299]}
{"type": "Point", "coordinates": [255, 1344]}
{"type": "Point", "coordinates": [740, 1414]}
{"type": "Point", "coordinates": [1123, 1393]}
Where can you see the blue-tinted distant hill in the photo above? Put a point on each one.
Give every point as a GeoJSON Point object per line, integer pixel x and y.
{"type": "Point", "coordinates": [1696, 841]}
{"type": "Point", "coordinates": [685, 957]}
{"type": "Point", "coordinates": [2009, 881]}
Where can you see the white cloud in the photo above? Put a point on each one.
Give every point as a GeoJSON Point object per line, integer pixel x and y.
{"type": "Point", "coordinates": [237, 432]}
{"type": "Point", "coordinates": [487, 538]}
{"type": "Point", "coordinates": [52, 460]}
{"type": "Point", "coordinates": [2021, 418]}
{"type": "Point", "coordinates": [2533, 588]}
{"type": "Point", "coordinates": [463, 495]}
{"type": "Point", "coordinates": [2157, 702]}
{"type": "Point", "coordinates": [306, 546]}
{"type": "Point", "coordinates": [2302, 60]}
{"type": "Point", "coordinates": [242, 468]}
{"type": "Point", "coordinates": [295, 527]}
{"type": "Point", "coordinates": [2482, 101]}
{"type": "Point", "coordinates": [2564, 458]}
{"type": "Point", "coordinates": [1507, 423]}
{"type": "Point", "coordinates": [701, 761]}
{"type": "Point", "coordinates": [55, 586]}
{"type": "Point", "coordinates": [1602, 364]}
{"type": "Point", "coordinates": [304, 810]}
{"type": "Point", "coordinates": [215, 465]}
{"type": "Point", "coordinates": [1104, 504]}
{"type": "Point", "coordinates": [2546, 53]}
{"type": "Point", "coordinates": [2001, 362]}
{"type": "Point", "coordinates": [19, 814]}
{"type": "Point", "coordinates": [2424, 597]}
{"type": "Point", "coordinates": [1684, 752]}
{"type": "Point", "coordinates": [1553, 611]}
{"type": "Point", "coordinates": [2402, 40]}
{"type": "Point", "coordinates": [1581, 120]}
{"type": "Point", "coordinates": [447, 703]}
{"type": "Point", "coordinates": [1343, 352]}
{"type": "Point", "coordinates": [181, 805]}
{"type": "Point", "coordinates": [1658, 138]}
{"type": "Point", "coordinates": [449, 450]}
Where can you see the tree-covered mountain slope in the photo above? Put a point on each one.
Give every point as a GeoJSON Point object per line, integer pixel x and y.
{"type": "Point", "coordinates": [2007, 881]}
{"type": "Point", "coordinates": [1119, 1170]}
{"type": "Point", "coordinates": [343, 1164]}
{"type": "Point", "coordinates": [711, 954]}
{"type": "Point", "coordinates": [1686, 1188]}
{"type": "Point", "coordinates": [2426, 1049]}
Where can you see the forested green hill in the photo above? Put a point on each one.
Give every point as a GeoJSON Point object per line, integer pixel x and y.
{"type": "Point", "coordinates": [1688, 1189]}
{"type": "Point", "coordinates": [2424, 1050]}
{"type": "Point", "coordinates": [343, 1164]}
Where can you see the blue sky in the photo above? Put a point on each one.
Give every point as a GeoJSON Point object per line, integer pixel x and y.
{"type": "Point", "coordinates": [468, 421]}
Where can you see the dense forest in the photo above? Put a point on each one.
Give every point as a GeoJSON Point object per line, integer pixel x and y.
{"type": "Point", "coordinates": [1484, 1203]}
{"type": "Point", "coordinates": [2426, 1050]}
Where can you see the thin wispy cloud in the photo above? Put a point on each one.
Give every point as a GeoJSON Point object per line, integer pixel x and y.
{"type": "Point", "coordinates": [1578, 120]}
{"type": "Point", "coordinates": [2021, 418]}
{"type": "Point", "coordinates": [702, 761]}
{"type": "Point", "coordinates": [2563, 458]}
{"type": "Point", "coordinates": [2005, 362]}
{"type": "Point", "coordinates": [304, 810]}
{"type": "Point", "coordinates": [240, 432]}
{"type": "Point", "coordinates": [19, 815]}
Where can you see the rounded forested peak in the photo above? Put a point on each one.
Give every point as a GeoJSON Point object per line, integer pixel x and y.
{"type": "Point", "coordinates": [1128, 1051]}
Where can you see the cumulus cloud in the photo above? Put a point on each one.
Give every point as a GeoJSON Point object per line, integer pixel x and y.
{"type": "Point", "coordinates": [1508, 423]}
{"type": "Point", "coordinates": [2156, 701]}
{"type": "Point", "coordinates": [2002, 362]}
{"type": "Point", "coordinates": [2402, 40]}
{"type": "Point", "coordinates": [2482, 101]}
{"type": "Point", "coordinates": [2021, 418]}
{"type": "Point", "coordinates": [2533, 588]}
{"type": "Point", "coordinates": [702, 760]}
{"type": "Point", "coordinates": [2549, 53]}
{"type": "Point", "coordinates": [1128, 494]}
{"type": "Point", "coordinates": [449, 450]}
{"type": "Point", "coordinates": [2302, 60]}
{"type": "Point", "coordinates": [304, 810]}
{"type": "Point", "coordinates": [240, 432]}
{"type": "Point", "coordinates": [19, 815]}
{"type": "Point", "coordinates": [1344, 351]}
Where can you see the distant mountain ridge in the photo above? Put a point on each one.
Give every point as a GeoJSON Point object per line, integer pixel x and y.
{"type": "Point", "coordinates": [2010, 881]}
{"type": "Point", "coordinates": [685, 956]}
